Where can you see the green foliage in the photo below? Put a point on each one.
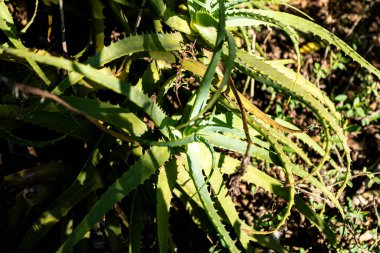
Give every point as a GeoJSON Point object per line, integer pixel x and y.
{"type": "Point", "coordinates": [141, 144]}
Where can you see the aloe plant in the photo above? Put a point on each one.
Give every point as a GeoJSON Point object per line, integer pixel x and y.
{"type": "Point", "coordinates": [187, 149]}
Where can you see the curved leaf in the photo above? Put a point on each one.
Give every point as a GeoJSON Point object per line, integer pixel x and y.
{"type": "Point", "coordinates": [196, 160]}
{"type": "Point", "coordinates": [165, 184]}
{"type": "Point", "coordinates": [123, 47]}
{"type": "Point", "coordinates": [108, 81]}
{"type": "Point", "coordinates": [8, 27]}
{"type": "Point", "coordinates": [270, 184]}
{"type": "Point", "coordinates": [305, 26]}
{"type": "Point", "coordinates": [115, 115]}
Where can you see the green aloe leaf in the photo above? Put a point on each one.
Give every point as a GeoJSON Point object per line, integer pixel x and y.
{"type": "Point", "coordinates": [165, 185]}
{"type": "Point", "coordinates": [115, 115]}
{"type": "Point", "coordinates": [270, 184]}
{"type": "Point", "coordinates": [134, 176]}
{"type": "Point", "coordinates": [136, 224]}
{"type": "Point", "coordinates": [106, 80]}
{"type": "Point", "coordinates": [195, 163]}
{"type": "Point", "coordinates": [123, 47]}
{"type": "Point", "coordinates": [9, 28]}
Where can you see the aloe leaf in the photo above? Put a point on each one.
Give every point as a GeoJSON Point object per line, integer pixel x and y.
{"type": "Point", "coordinates": [200, 70]}
{"type": "Point", "coordinates": [123, 47]}
{"type": "Point", "coordinates": [256, 67]}
{"type": "Point", "coordinates": [310, 142]}
{"type": "Point", "coordinates": [292, 168]}
{"type": "Point", "coordinates": [306, 26]}
{"type": "Point", "coordinates": [232, 120]}
{"type": "Point", "coordinates": [196, 159]}
{"type": "Point", "coordinates": [218, 185]}
{"type": "Point", "coordinates": [293, 146]}
{"type": "Point", "coordinates": [259, 69]}
{"type": "Point", "coordinates": [270, 184]}
{"type": "Point", "coordinates": [279, 135]}
{"type": "Point", "coordinates": [205, 86]}
{"type": "Point", "coordinates": [320, 186]}
{"type": "Point", "coordinates": [187, 187]}
{"type": "Point", "coordinates": [135, 175]}
{"type": "Point", "coordinates": [8, 27]}
{"type": "Point", "coordinates": [184, 179]}
{"type": "Point", "coordinates": [97, 8]}
{"type": "Point", "coordinates": [115, 115]}
{"type": "Point", "coordinates": [106, 80]}
{"type": "Point", "coordinates": [285, 163]}
{"type": "Point", "coordinates": [193, 8]}
{"type": "Point", "coordinates": [236, 134]}
{"type": "Point", "coordinates": [194, 209]}
{"type": "Point", "coordinates": [302, 83]}
{"type": "Point", "coordinates": [222, 142]}
{"type": "Point", "coordinates": [165, 184]}
{"type": "Point", "coordinates": [239, 226]}
{"type": "Point", "coordinates": [282, 25]}
{"type": "Point", "coordinates": [87, 181]}
{"type": "Point", "coordinates": [175, 21]}
{"type": "Point", "coordinates": [226, 142]}
{"type": "Point", "coordinates": [221, 192]}
{"type": "Point", "coordinates": [136, 223]}
{"type": "Point", "coordinates": [193, 204]}
{"type": "Point", "coordinates": [187, 193]}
